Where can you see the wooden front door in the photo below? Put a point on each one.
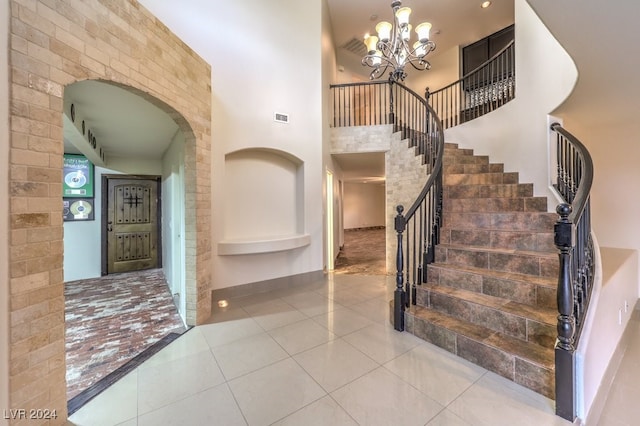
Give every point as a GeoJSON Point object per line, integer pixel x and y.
{"type": "Point", "coordinates": [132, 223]}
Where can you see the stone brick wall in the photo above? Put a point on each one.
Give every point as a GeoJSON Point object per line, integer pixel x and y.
{"type": "Point", "coordinates": [54, 43]}
{"type": "Point", "coordinates": [405, 173]}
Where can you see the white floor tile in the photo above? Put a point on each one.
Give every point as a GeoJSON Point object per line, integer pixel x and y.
{"type": "Point", "coordinates": [381, 398]}
{"type": "Point", "coordinates": [248, 354]}
{"type": "Point", "coordinates": [226, 332]}
{"type": "Point", "coordinates": [335, 364]}
{"type": "Point", "coordinates": [215, 406]}
{"type": "Point", "coordinates": [321, 413]}
{"type": "Point", "coordinates": [274, 392]}
{"type": "Point", "coordinates": [190, 343]}
{"type": "Point", "coordinates": [117, 404]}
{"type": "Point", "coordinates": [312, 304]}
{"type": "Point", "coordinates": [447, 418]}
{"type": "Point", "coordinates": [496, 401]}
{"type": "Point", "coordinates": [382, 342]}
{"type": "Point", "coordinates": [342, 321]}
{"type": "Point", "coordinates": [439, 374]}
{"type": "Point", "coordinates": [175, 380]}
{"type": "Point", "coordinates": [375, 309]}
{"type": "Point", "coordinates": [274, 314]}
{"type": "Point", "coordinates": [300, 336]}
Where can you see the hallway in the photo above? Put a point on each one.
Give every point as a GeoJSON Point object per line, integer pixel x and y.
{"type": "Point", "coordinates": [112, 319]}
{"type": "Point", "coordinates": [363, 252]}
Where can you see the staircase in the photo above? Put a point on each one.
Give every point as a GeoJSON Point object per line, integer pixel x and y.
{"type": "Point", "coordinates": [490, 295]}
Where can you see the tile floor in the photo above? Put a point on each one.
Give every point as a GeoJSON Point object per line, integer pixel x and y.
{"type": "Point", "coordinates": [321, 354]}
{"type": "Point", "coordinates": [111, 319]}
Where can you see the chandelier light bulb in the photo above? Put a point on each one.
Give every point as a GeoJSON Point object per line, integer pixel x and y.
{"type": "Point", "coordinates": [371, 42]}
{"type": "Point", "coordinates": [423, 31]}
{"type": "Point", "coordinates": [384, 31]}
{"type": "Point", "coordinates": [403, 16]}
{"type": "Point", "coordinates": [377, 58]}
{"type": "Point", "coordinates": [419, 49]}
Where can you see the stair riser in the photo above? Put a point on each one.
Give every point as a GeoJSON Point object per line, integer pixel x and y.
{"type": "Point", "coordinates": [503, 322]}
{"type": "Point", "coordinates": [457, 152]}
{"type": "Point", "coordinates": [464, 159]}
{"type": "Point", "coordinates": [534, 377]}
{"type": "Point", "coordinates": [473, 168]}
{"type": "Point", "coordinates": [529, 241]}
{"type": "Point", "coordinates": [481, 205]}
{"type": "Point", "coordinates": [489, 191]}
{"type": "Point", "coordinates": [545, 266]}
{"type": "Point", "coordinates": [518, 291]}
{"type": "Point", "coordinates": [516, 221]}
{"type": "Point", "coordinates": [481, 178]}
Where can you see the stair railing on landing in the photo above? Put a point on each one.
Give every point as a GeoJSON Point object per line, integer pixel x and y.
{"type": "Point", "coordinates": [479, 92]}
{"type": "Point", "coordinates": [377, 103]}
{"type": "Point", "coordinates": [576, 254]}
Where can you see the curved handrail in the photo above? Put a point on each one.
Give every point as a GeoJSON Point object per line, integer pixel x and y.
{"type": "Point", "coordinates": [478, 68]}
{"type": "Point", "coordinates": [419, 228]}
{"type": "Point", "coordinates": [437, 167]}
{"type": "Point", "coordinates": [572, 237]}
{"type": "Point", "coordinates": [586, 177]}
{"type": "Point", "coordinates": [480, 91]}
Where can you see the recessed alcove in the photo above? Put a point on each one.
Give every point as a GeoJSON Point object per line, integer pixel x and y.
{"type": "Point", "coordinates": [264, 208]}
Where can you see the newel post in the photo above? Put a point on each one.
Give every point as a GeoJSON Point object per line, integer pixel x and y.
{"type": "Point", "coordinates": [565, 351]}
{"type": "Point", "coordinates": [399, 295]}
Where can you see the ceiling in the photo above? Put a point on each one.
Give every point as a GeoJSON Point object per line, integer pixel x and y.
{"type": "Point", "coordinates": [125, 125]}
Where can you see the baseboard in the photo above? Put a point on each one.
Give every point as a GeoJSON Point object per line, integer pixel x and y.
{"type": "Point", "coordinates": [366, 228]}
{"type": "Point", "coordinates": [281, 283]}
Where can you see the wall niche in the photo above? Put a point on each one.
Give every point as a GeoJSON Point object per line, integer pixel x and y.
{"type": "Point", "coordinates": [264, 208]}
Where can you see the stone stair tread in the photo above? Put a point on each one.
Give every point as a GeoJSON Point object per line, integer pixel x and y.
{"type": "Point", "coordinates": [534, 279]}
{"type": "Point", "coordinates": [531, 352]}
{"type": "Point", "coordinates": [539, 314]}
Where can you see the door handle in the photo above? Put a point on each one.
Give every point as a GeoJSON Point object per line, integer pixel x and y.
{"type": "Point", "coordinates": [109, 227]}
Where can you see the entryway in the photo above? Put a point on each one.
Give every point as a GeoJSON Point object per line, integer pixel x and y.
{"type": "Point", "coordinates": [124, 266]}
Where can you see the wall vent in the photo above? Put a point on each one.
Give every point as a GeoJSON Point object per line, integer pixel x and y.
{"type": "Point", "coordinates": [281, 117]}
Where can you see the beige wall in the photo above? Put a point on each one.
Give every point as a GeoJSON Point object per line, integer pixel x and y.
{"type": "Point", "coordinates": [121, 43]}
{"type": "Point", "coordinates": [364, 204]}
{"type": "Point", "coordinates": [280, 74]}
{"type": "Point", "coordinates": [545, 77]}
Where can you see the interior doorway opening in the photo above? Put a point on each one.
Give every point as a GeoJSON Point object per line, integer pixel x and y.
{"type": "Point", "coordinates": [127, 259]}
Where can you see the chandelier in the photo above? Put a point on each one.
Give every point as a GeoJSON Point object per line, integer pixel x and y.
{"type": "Point", "coordinates": [391, 47]}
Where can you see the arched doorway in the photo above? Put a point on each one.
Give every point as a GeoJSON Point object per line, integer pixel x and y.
{"type": "Point", "coordinates": [122, 44]}
{"type": "Point", "coordinates": [123, 192]}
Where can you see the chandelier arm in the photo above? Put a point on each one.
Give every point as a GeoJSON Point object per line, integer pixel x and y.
{"type": "Point", "coordinates": [422, 64]}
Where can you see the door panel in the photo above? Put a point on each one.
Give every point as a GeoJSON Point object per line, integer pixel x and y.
{"type": "Point", "coordinates": [132, 224]}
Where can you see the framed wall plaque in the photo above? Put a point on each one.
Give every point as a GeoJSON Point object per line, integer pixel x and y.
{"type": "Point", "coordinates": [77, 176]}
{"type": "Point", "coordinates": [75, 209]}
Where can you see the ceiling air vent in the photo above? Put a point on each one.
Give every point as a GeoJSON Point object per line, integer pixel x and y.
{"type": "Point", "coordinates": [355, 46]}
